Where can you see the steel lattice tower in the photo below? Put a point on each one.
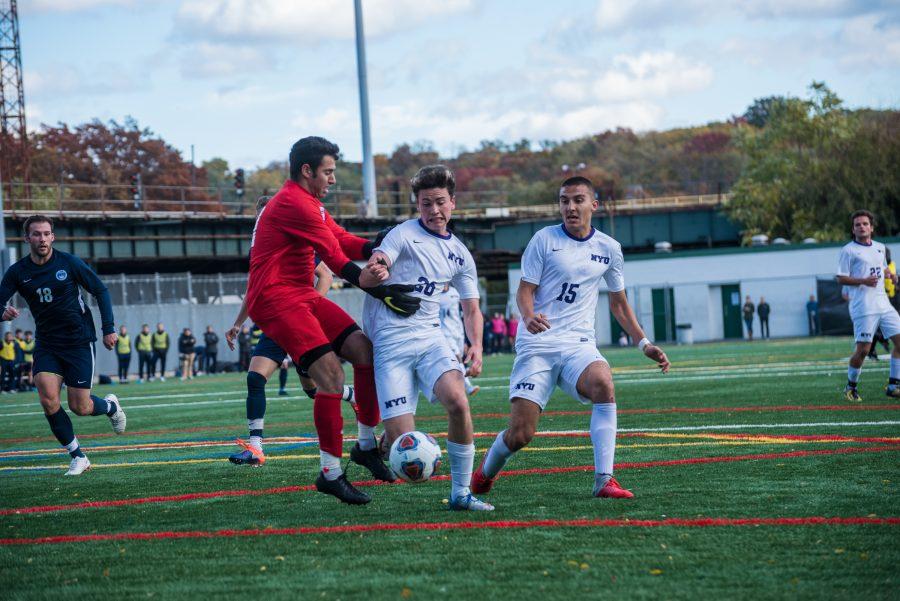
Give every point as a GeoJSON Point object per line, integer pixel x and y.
{"type": "Point", "coordinates": [14, 155]}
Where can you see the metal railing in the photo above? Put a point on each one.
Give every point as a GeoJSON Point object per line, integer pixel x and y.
{"type": "Point", "coordinates": [106, 201]}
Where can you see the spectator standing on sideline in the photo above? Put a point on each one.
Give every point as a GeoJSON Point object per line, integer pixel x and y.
{"type": "Point", "coordinates": [255, 336]}
{"type": "Point", "coordinates": [211, 340]}
{"type": "Point", "coordinates": [889, 286]}
{"type": "Point", "coordinates": [812, 315]}
{"type": "Point", "coordinates": [123, 353]}
{"type": "Point", "coordinates": [623, 339]}
{"type": "Point", "coordinates": [763, 309]}
{"type": "Point", "coordinates": [28, 349]}
{"type": "Point", "coordinates": [749, 309]}
{"type": "Point", "coordinates": [160, 350]}
{"type": "Point", "coordinates": [512, 329]}
{"type": "Point", "coordinates": [244, 348]}
{"type": "Point", "coordinates": [144, 347]}
{"type": "Point", "coordinates": [8, 362]}
{"type": "Point", "coordinates": [186, 344]}
{"type": "Point", "coordinates": [488, 336]}
{"type": "Point", "coordinates": [498, 329]}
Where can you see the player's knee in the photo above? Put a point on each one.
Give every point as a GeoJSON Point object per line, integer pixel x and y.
{"type": "Point", "coordinates": [517, 438]}
{"type": "Point", "coordinates": [457, 406]}
{"type": "Point", "coordinates": [601, 393]}
{"type": "Point", "coordinates": [80, 408]}
{"type": "Point", "coordinates": [255, 381]}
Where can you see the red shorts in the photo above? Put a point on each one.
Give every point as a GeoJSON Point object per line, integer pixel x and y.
{"type": "Point", "coordinates": [309, 329]}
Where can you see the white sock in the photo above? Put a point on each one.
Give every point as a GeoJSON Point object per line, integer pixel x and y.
{"type": "Point", "coordinates": [853, 374]}
{"type": "Point", "coordinates": [347, 394]}
{"type": "Point", "coordinates": [469, 386]}
{"type": "Point", "coordinates": [331, 465]}
{"type": "Point", "coordinates": [72, 446]}
{"type": "Point", "coordinates": [462, 456]}
{"type": "Point", "coordinates": [256, 442]}
{"type": "Point", "coordinates": [365, 436]}
{"type": "Point", "coordinates": [895, 368]}
{"type": "Point", "coordinates": [603, 436]}
{"type": "Point", "coordinates": [496, 457]}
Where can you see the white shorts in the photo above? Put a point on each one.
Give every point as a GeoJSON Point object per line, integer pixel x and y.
{"type": "Point", "coordinates": [403, 370]}
{"type": "Point", "coordinates": [535, 373]}
{"type": "Point", "coordinates": [864, 326]}
{"type": "Point", "coordinates": [456, 345]}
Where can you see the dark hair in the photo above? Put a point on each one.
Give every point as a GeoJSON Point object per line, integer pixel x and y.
{"type": "Point", "coordinates": [310, 151]}
{"type": "Point", "coordinates": [36, 219]}
{"type": "Point", "coordinates": [261, 202]}
{"type": "Point", "coordinates": [433, 176]}
{"type": "Point", "coordinates": [862, 213]}
{"type": "Point", "coordinates": [27, 332]}
{"type": "Point", "coordinates": [578, 180]}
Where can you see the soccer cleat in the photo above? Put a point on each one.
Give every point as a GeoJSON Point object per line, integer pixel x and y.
{"type": "Point", "coordinates": [371, 460]}
{"type": "Point", "coordinates": [481, 484]}
{"type": "Point", "coordinates": [851, 394]}
{"type": "Point", "coordinates": [249, 456]}
{"type": "Point", "coordinates": [118, 418]}
{"type": "Point", "coordinates": [282, 392]}
{"type": "Point", "coordinates": [607, 487]}
{"type": "Point", "coordinates": [473, 391]}
{"type": "Point", "coordinates": [78, 466]}
{"type": "Point", "coordinates": [342, 489]}
{"type": "Point", "coordinates": [893, 391]}
{"type": "Point", "coordinates": [469, 503]}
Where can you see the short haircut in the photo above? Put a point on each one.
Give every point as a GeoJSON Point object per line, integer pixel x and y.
{"type": "Point", "coordinates": [578, 180]}
{"type": "Point", "coordinates": [310, 151]}
{"type": "Point", "coordinates": [27, 332]}
{"type": "Point", "coordinates": [862, 213]}
{"type": "Point", "coordinates": [36, 219]}
{"type": "Point", "coordinates": [433, 176]}
{"type": "Point", "coordinates": [261, 202]}
{"type": "Point", "coordinates": [146, 325]}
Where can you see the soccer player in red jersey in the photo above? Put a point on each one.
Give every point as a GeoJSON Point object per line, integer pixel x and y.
{"type": "Point", "coordinates": [292, 228]}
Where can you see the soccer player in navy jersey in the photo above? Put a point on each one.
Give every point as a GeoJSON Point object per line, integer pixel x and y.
{"type": "Point", "coordinates": [64, 352]}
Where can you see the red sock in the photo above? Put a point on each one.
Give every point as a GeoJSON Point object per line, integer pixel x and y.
{"type": "Point", "coordinates": [329, 422]}
{"type": "Point", "coordinates": [364, 391]}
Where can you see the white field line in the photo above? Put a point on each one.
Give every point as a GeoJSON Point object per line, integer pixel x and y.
{"type": "Point", "coordinates": [189, 404]}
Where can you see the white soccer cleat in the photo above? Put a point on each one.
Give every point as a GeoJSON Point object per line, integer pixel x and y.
{"type": "Point", "coordinates": [78, 466]}
{"type": "Point", "coordinates": [469, 503]}
{"type": "Point", "coordinates": [118, 418]}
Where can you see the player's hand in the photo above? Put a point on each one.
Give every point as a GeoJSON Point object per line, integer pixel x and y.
{"type": "Point", "coordinates": [231, 334]}
{"type": "Point", "coordinates": [109, 341]}
{"type": "Point", "coordinates": [9, 314]}
{"type": "Point", "coordinates": [893, 277]}
{"type": "Point", "coordinates": [396, 297]}
{"type": "Point", "coordinates": [474, 360]}
{"type": "Point", "coordinates": [871, 281]}
{"type": "Point", "coordinates": [537, 323]}
{"type": "Point", "coordinates": [657, 354]}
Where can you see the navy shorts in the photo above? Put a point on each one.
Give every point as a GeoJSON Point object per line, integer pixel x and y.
{"type": "Point", "coordinates": [75, 364]}
{"type": "Point", "coordinates": [266, 347]}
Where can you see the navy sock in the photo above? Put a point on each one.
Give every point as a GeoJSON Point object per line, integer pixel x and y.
{"type": "Point", "coordinates": [102, 406]}
{"type": "Point", "coordinates": [256, 401]}
{"type": "Point", "coordinates": [62, 429]}
{"type": "Point", "coordinates": [282, 378]}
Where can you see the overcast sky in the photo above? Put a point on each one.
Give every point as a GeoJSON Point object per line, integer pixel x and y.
{"type": "Point", "coordinates": [243, 79]}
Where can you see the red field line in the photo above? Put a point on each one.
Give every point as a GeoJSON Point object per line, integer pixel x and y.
{"type": "Point", "coordinates": [431, 526]}
{"type": "Point", "coordinates": [506, 474]}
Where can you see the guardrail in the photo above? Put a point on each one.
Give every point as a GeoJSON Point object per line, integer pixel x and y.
{"type": "Point", "coordinates": [101, 201]}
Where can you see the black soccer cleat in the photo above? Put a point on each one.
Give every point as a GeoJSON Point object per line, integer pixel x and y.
{"type": "Point", "coordinates": [371, 460]}
{"type": "Point", "coordinates": [342, 489]}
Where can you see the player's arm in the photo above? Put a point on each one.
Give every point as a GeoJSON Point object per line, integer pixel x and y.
{"type": "Point", "coordinates": [8, 287]}
{"type": "Point", "coordinates": [356, 248]}
{"type": "Point", "coordinates": [235, 329]}
{"type": "Point", "coordinates": [473, 321]}
{"type": "Point", "coordinates": [843, 273]}
{"type": "Point", "coordinates": [534, 323]}
{"type": "Point", "coordinates": [621, 310]}
{"type": "Point", "coordinates": [324, 278]}
{"type": "Point", "coordinates": [93, 284]}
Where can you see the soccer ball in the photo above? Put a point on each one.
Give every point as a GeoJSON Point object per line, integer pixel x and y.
{"type": "Point", "coordinates": [415, 456]}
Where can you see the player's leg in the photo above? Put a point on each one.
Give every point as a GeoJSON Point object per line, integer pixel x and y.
{"type": "Point", "coordinates": [890, 328]}
{"type": "Point", "coordinates": [449, 390]}
{"type": "Point", "coordinates": [863, 330]}
{"type": "Point", "coordinates": [282, 378]}
{"type": "Point", "coordinates": [596, 385]}
{"type": "Point", "coordinates": [267, 356]}
{"type": "Point", "coordinates": [48, 379]}
{"type": "Point", "coordinates": [78, 373]}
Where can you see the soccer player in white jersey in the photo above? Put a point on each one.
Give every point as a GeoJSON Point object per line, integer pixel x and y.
{"type": "Point", "coordinates": [862, 267]}
{"type": "Point", "coordinates": [557, 297]}
{"type": "Point", "coordinates": [452, 327]}
{"type": "Point", "coordinates": [411, 353]}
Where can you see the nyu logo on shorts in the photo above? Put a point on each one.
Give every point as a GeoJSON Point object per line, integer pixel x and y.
{"type": "Point", "coordinates": [524, 386]}
{"type": "Point", "coordinates": [864, 336]}
{"type": "Point", "coordinates": [396, 402]}
{"type": "Point", "coordinates": [61, 275]}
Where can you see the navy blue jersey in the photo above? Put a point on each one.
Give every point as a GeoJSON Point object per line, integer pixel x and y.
{"type": "Point", "coordinates": [51, 290]}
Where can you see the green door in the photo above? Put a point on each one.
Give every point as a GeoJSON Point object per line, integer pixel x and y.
{"type": "Point", "coordinates": [663, 314]}
{"type": "Point", "coordinates": [731, 311]}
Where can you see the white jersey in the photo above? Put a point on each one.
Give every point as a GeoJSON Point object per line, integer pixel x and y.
{"type": "Point", "coordinates": [861, 261]}
{"type": "Point", "coordinates": [567, 271]}
{"type": "Point", "coordinates": [427, 261]}
{"type": "Point", "coordinates": [451, 319]}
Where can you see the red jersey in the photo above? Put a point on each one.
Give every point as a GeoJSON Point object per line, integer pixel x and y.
{"type": "Point", "coordinates": [291, 229]}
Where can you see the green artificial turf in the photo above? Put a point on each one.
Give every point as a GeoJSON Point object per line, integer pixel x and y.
{"type": "Point", "coordinates": [770, 390]}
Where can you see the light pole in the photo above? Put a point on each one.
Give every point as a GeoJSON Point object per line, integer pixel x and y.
{"type": "Point", "coordinates": [368, 166]}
